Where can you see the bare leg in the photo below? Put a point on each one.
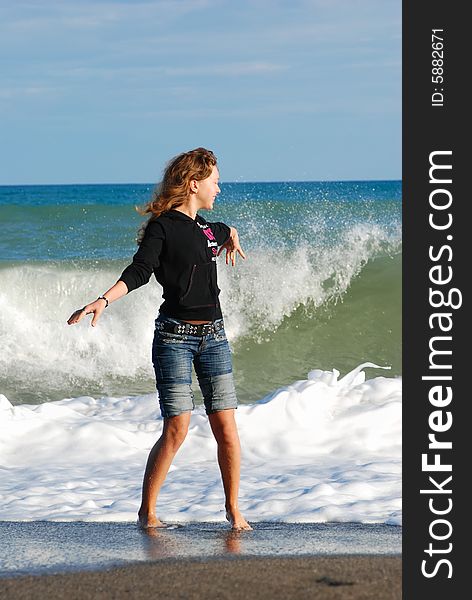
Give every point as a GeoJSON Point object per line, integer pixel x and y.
{"type": "Point", "coordinates": [158, 463]}
{"type": "Point", "coordinates": [225, 431]}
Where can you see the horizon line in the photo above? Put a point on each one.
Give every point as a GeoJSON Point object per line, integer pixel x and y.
{"type": "Point", "coordinates": [222, 183]}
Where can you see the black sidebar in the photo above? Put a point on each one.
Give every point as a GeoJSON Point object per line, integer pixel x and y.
{"type": "Point", "coordinates": [437, 367]}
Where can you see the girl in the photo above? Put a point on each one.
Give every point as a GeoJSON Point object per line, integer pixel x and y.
{"type": "Point", "coordinates": [181, 248]}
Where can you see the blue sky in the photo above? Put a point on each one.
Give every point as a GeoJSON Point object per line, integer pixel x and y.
{"type": "Point", "coordinates": [108, 91]}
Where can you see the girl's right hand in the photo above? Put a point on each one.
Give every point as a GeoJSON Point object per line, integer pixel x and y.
{"type": "Point", "coordinates": [96, 308]}
{"type": "Point", "coordinates": [232, 246]}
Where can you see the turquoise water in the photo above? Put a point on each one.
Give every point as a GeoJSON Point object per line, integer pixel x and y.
{"type": "Point", "coordinates": [321, 287]}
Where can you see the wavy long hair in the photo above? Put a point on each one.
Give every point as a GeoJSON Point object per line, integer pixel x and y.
{"type": "Point", "coordinates": [174, 189]}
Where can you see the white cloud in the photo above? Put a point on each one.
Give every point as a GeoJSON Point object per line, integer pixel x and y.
{"type": "Point", "coordinates": [14, 93]}
{"type": "Point", "coordinates": [23, 16]}
{"type": "Point", "coordinates": [143, 73]}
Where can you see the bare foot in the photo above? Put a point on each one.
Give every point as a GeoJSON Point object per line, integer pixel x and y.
{"type": "Point", "coordinates": [238, 522]}
{"type": "Point", "coordinates": [149, 521]}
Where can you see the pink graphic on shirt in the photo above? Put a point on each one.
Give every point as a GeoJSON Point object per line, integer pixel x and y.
{"type": "Point", "coordinates": [209, 233]}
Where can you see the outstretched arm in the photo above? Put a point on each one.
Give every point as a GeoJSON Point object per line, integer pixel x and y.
{"type": "Point", "coordinates": [98, 306]}
{"type": "Point", "coordinates": [135, 275]}
{"type": "Point", "coordinates": [232, 246]}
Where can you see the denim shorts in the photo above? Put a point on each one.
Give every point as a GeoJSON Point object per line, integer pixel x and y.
{"type": "Point", "coordinates": [173, 355]}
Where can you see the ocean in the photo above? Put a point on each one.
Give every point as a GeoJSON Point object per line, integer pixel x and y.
{"type": "Point", "coordinates": [318, 296]}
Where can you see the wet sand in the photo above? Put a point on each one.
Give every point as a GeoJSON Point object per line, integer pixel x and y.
{"type": "Point", "coordinates": [371, 577]}
{"type": "Point", "coordinates": [199, 560]}
{"type": "Point", "coordinates": [42, 548]}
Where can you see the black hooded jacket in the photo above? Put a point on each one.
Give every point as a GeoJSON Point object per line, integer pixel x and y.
{"type": "Point", "coordinates": [182, 253]}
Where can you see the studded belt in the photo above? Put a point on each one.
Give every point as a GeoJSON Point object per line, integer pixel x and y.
{"type": "Point", "coordinates": [191, 328]}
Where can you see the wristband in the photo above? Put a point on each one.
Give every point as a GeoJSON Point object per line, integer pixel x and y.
{"type": "Point", "coordinates": [103, 298]}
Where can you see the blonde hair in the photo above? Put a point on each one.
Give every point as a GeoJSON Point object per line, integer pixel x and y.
{"type": "Point", "coordinates": [174, 189]}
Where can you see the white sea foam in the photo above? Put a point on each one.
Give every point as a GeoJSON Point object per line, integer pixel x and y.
{"type": "Point", "coordinates": [320, 449]}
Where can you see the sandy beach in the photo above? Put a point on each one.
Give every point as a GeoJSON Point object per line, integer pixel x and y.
{"type": "Point", "coordinates": [200, 560]}
{"type": "Point", "coordinates": [329, 577]}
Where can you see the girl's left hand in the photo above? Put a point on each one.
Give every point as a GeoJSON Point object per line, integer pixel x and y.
{"type": "Point", "coordinates": [232, 246]}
